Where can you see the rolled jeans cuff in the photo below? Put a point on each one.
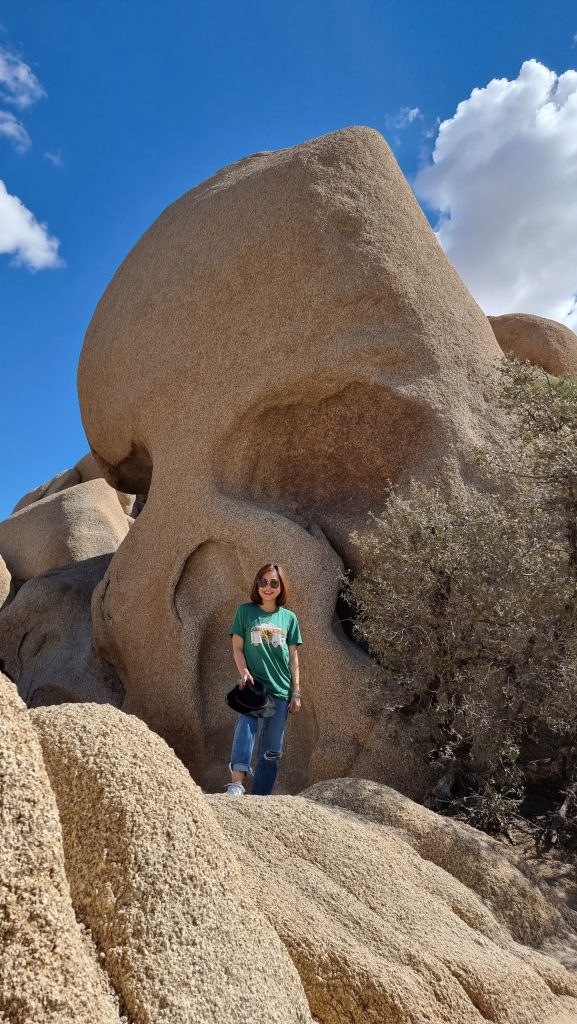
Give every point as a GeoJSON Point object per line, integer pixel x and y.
{"type": "Point", "coordinates": [238, 767]}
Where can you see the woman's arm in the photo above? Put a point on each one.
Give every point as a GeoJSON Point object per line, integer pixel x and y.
{"type": "Point", "coordinates": [295, 704]}
{"type": "Point", "coordinates": [239, 660]}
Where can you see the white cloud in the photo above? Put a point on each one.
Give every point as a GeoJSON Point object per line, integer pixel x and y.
{"type": "Point", "coordinates": [18, 83]}
{"type": "Point", "coordinates": [412, 114]}
{"type": "Point", "coordinates": [20, 88]}
{"type": "Point", "coordinates": [11, 128]}
{"type": "Point", "coordinates": [24, 237]}
{"type": "Point", "coordinates": [430, 133]}
{"type": "Point", "coordinates": [54, 158]}
{"type": "Point", "coordinates": [504, 181]}
{"type": "Point", "coordinates": [404, 117]}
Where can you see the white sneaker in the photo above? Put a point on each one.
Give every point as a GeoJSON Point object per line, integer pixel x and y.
{"type": "Point", "coordinates": [235, 789]}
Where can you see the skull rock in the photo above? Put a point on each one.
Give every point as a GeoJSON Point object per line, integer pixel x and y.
{"type": "Point", "coordinates": [285, 339]}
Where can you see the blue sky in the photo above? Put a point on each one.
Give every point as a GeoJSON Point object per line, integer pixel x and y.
{"type": "Point", "coordinates": [141, 100]}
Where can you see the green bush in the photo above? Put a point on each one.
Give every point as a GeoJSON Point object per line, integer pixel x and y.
{"type": "Point", "coordinates": [467, 600]}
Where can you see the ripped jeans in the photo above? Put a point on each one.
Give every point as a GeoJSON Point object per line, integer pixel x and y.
{"type": "Point", "coordinates": [269, 747]}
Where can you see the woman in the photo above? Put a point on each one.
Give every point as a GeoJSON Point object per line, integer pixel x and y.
{"type": "Point", "coordinates": [265, 639]}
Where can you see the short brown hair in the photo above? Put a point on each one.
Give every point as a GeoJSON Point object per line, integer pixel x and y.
{"type": "Point", "coordinates": [282, 596]}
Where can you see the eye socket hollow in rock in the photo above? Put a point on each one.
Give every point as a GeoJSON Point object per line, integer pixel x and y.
{"type": "Point", "coordinates": [326, 461]}
{"type": "Point", "coordinates": [133, 474]}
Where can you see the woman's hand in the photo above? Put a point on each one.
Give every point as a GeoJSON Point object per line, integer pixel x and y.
{"type": "Point", "coordinates": [295, 704]}
{"type": "Point", "coordinates": [245, 677]}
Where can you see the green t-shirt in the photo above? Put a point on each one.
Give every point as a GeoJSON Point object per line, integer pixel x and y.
{"type": "Point", "coordinates": [267, 637]}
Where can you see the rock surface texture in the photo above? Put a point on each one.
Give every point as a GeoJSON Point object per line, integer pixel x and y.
{"type": "Point", "coordinates": [380, 933]}
{"type": "Point", "coordinates": [72, 525]}
{"type": "Point", "coordinates": [348, 904]}
{"type": "Point", "coordinates": [46, 639]}
{"type": "Point", "coordinates": [5, 583]}
{"type": "Point", "coordinates": [49, 969]}
{"type": "Point", "coordinates": [283, 340]}
{"type": "Point", "coordinates": [60, 482]}
{"type": "Point", "coordinates": [470, 856]}
{"type": "Point", "coordinates": [88, 468]}
{"type": "Point", "coordinates": [543, 342]}
{"type": "Point", "coordinates": [85, 470]}
{"type": "Point", "coordinates": [153, 879]}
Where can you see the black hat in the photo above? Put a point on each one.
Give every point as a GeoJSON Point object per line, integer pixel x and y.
{"type": "Point", "coordinates": [252, 700]}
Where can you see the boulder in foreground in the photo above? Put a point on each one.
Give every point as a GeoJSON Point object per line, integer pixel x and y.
{"type": "Point", "coordinates": [153, 878]}
{"type": "Point", "coordinates": [49, 968]}
{"type": "Point", "coordinates": [377, 931]}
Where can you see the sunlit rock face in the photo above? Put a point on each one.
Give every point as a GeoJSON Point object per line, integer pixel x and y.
{"type": "Point", "coordinates": [348, 903]}
{"type": "Point", "coordinates": [285, 339]}
{"type": "Point", "coordinates": [391, 913]}
{"type": "Point", "coordinates": [152, 878]}
{"type": "Point", "coordinates": [64, 527]}
{"type": "Point", "coordinates": [50, 969]}
{"type": "Point", "coordinates": [543, 342]}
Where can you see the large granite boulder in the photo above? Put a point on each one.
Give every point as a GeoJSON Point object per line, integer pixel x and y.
{"type": "Point", "coordinates": [6, 586]}
{"type": "Point", "coordinates": [46, 639]}
{"type": "Point", "coordinates": [285, 339]}
{"type": "Point", "coordinates": [545, 343]}
{"type": "Point", "coordinates": [85, 470]}
{"type": "Point", "coordinates": [60, 482]}
{"type": "Point", "coordinates": [88, 468]}
{"type": "Point", "coordinates": [152, 877]}
{"type": "Point", "coordinates": [68, 526]}
{"type": "Point", "coordinates": [348, 903]}
{"type": "Point", "coordinates": [476, 860]}
{"type": "Point", "coordinates": [379, 932]}
{"type": "Point", "coordinates": [50, 971]}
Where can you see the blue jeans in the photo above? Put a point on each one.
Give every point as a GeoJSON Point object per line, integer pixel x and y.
{"type": "Point", "coordinates": [269, 747]}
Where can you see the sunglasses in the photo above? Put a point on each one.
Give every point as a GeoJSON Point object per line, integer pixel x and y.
{"type": "Point", "coordinates": [273, 584]}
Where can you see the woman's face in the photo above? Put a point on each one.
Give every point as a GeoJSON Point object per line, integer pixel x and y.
{"type": "Point", "coordinates": [269, 585]}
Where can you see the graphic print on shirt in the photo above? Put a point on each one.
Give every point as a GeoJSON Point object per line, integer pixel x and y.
{"type": "Point", "coordinates": [266, 633]}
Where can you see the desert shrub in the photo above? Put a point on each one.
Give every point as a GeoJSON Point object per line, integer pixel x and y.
{"type": "Point", "coordinates": [542, 455]}
{"type": "Point", "coordinates": [467, 600]}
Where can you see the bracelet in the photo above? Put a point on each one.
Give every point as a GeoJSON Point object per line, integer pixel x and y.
{"type": "Point", "coordinates": [296, 693]}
